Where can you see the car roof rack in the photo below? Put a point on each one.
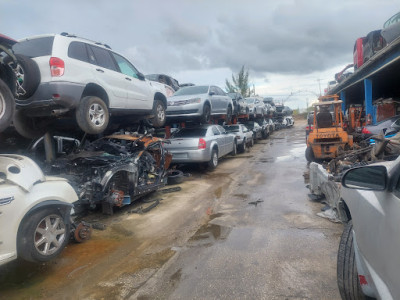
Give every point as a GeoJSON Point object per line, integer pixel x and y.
{"type": "Point", "coordinates": [66, 34]}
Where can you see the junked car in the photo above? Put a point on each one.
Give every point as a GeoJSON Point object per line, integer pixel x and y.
{"type": "Point", "coordinates": [256, 106]}
{"type": "Point", "coordinates": [389, 125]}
{"type": "Point", "coordinates": [201, 144]}
{"type": "Point", "coordinates": [115, 170]}
{"type": "Point", "coordinates": [240, 106]}
{"type": "Point", "coordinates": [244, 136]}
{"type": "Point", "coordinates": [367, 263]}
{"type": "Point", "coordinates": [391, 28]}
{"type": "Point", "coordinates": [34, 211]}
{"type": "Point", "coordinates": [372, 43]}
{"type": "Point", "coordinates": [78, 79]}
{"type": "Point", "coordinates": [255, 128]}
{"type": "Point", "coordinates": [199, 103]}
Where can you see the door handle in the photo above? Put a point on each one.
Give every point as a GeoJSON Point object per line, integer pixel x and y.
{"type": "Point", "coordinates": [127, 78]}
{"type": "Point", "coordinates": [100, 70]}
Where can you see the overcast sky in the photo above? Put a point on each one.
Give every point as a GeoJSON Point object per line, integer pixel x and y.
{"type": "Point", "coordinates": [287, 45]}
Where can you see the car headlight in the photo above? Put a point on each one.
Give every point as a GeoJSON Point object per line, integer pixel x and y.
{"type": "Point", "coordinates": [183, 102]}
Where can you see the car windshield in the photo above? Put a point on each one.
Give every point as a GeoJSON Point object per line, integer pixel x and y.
{"type": "Point", "coordinates": [34, 47]}
{"type": "Point", "coordinates": [190, 132]}
{"type": "Point", "coordinates": [250, 100]}
{"type": "Point", "coordinates": [232, 95]}
{"type": "Point", "coordinates": [232, 128]}
{"type": "Point", "coordinates": [192, 90]}
{"type": "Point", "coordinates": [152, 77]}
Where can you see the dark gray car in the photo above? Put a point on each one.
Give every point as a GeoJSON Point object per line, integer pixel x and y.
{"type": "Point", "coordinates": [386, 126]}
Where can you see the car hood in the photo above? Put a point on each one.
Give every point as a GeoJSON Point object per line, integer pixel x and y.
{"type": "Point", "coordinates": [20, 170]}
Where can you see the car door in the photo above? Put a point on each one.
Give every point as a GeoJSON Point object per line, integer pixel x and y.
{"type": "Point", "coordinates": [220, 139]}
{"type": "Point", "coordinates": [376, 225]}
{"type": "Point", "coordinates": [106, 72]}
{"type": "Point", "coordinates": [140, 95]}
{"type": "Point", "coordinates": [215, 99]}
{"type": "Point", "coordinates": [228, 139]}
{"type": "Point", "coordinates": [224, 100]}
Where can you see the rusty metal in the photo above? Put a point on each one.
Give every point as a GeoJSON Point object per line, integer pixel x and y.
{"type": "Point", "coordinates": [83, 232]}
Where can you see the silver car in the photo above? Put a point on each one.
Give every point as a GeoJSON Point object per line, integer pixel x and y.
{"type": "Point", "coordinates": [204, 143]}
{"type": "Point", "coordinates": [199, 102]}
{"type": "Point", "coordinates": [256, 106]}
{"type": "Point", "coordinates": [244, 136]}
{"type": "Point", "coordinates": [368, 256]}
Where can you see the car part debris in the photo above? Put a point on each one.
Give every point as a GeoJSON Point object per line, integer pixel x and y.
{"type": "Point", "coordinates": [142, 210]}
{"type": "Point", "coordinates": [171, 190]}
{"type": "Point", "coordinates": [99, 226]}
{"type": "Point", "coordinates": [255, 203]}
{"type": "Point", "coordinates": [82, 232]}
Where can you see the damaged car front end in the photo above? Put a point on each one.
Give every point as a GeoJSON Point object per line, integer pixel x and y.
{"type": "Point", "coordinates": [116, 170]}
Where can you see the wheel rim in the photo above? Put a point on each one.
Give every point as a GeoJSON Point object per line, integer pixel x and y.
{"type": "Point", "coordinates": [20, 74]}
{"type": "Point", "coordinates": [207, 114]}
{"type": "Point", "coordinates": [215, 159]}
{"type": "Point", "coordinates": [49, 235]}
{"type": "Point", "coordinates": [244, 145]}
{"type": "Point", "coordinates": [96, 115]}
{"type": "Point", "coordinates": [160, 112]}
{"type": "Point", "coordinates": [2, 105]}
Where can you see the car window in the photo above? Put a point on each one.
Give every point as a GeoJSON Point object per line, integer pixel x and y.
{"type": "Point", "coordinates": [191, 90]}
{"type": "Point", "coordinates": [103, 58]}
{"type": "Point", "coordinates": [35, 47]}
{"type": "Point", "coordinates": [125, 66]}
{"type": "Point", "coordinates": [213, 90]}
{"type": "Point", "coordinates": [78, 51]}
{"type": "Point", "coordinates": [221, 129]}
{"type": "Point", "coordinates": [232, 128]}
{"type": "Point", "coordinates": [220, 91]}
{"type": "Point", "coordinates": [190, 132]}
{"type": "Point", "coordinates": [215, 130]}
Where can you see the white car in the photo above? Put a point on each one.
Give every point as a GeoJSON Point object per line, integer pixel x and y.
{"type": "Point", "coordinates": [72, 77]}
{"type": "Point", "coordinates": [34, 211]}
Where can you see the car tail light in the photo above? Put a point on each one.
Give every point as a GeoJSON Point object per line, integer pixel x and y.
{"type": "Point", "coordinates": [202, 144]}
{"type": "Point", "coordinates": [57, 67]}
{"type": "Point", "coordinates": [366, 131]}
{"type": "Point", "coordinates": [309, 127]}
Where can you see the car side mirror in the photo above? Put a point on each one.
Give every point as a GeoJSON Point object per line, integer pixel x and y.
{"type": "Point", "coordinates": [140, 76]}
{"type": "Point", "coordinates": [211, 93]}
{"type": "Point", "coordinates": [373, 178]}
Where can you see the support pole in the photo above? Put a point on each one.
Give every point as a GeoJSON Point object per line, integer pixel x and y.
{"type": "Point", "coordinates": [343, 98]}
{"type": "Point", "coordinates": [49, 147]}
{"type": "Point", "coordinates": [369, 109]}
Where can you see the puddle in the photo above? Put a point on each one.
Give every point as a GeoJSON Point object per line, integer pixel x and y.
{"type": "Point", "coordinates": [242, 196]}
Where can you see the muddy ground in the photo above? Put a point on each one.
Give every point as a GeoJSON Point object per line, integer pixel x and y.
{"type": "Point", "coordinates": [244, 231]}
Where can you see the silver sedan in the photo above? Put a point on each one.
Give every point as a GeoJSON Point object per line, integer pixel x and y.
{"type": "Point", "coordinates": [204, 143]}
{"type": "Point", "coordinates": [199, 102]}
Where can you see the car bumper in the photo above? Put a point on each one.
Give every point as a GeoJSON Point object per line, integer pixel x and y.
{"type": "Point", "coordinates": [190, 156]}
{"type": "Point", "coordinates": [51, 96]}
{"type": "Point", "coordinates": [184, 110]}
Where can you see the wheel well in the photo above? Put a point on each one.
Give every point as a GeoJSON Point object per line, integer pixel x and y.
{"type": "Point", "coordinates": [344, 211]}
{"type": "Point", "coordinates": [92, 89]}
{"type": "Point", "coordinates": [207, 103]}
{"type": "Point", "coordinates": [160, 96]}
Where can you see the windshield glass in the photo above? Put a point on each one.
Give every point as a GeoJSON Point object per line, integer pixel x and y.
{"type": "Point", "coordinates": [250, 100]}
{"type": "Point", "coordinates": [232, 128]}
{"type": "Point", "coordinates": [192, 90]}
{"type": "Point", "coordinates": [190, 132]}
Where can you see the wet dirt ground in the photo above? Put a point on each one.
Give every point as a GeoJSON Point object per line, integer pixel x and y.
{"type": "Point", "coordinates": [244, 231]}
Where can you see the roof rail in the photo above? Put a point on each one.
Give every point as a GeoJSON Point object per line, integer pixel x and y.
{"type": "Point", "coordinates": [75, 36]}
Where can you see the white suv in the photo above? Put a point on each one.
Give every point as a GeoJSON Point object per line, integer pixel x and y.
{"type": "Point", "coordinates": [75, 77]}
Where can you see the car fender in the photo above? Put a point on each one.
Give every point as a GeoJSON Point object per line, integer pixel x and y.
{"type": "Point", "coordinates": [213, 144]}
{"type": "Point", "coordinates": [130, 168]}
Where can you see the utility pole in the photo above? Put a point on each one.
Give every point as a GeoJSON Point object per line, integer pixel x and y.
{"type": "Point", "coordinates": [319, 84]}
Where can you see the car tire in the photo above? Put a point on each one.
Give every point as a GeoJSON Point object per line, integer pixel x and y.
{"type": "Point", "coordinates": [309, 154]}
{"type": "Point", "coordinates": [252, 142]}
{"type": "Point", "coordinates": [228, 116]}
{"type": "Point", "coordinates": [7, 106]}
{"type": "Point", "coordinates": [206, 116]}
{"type": "Point", "coordinates": [347, 276]}
{"type": "Point", "coordinates": [92, 115]}
{"type": "Point", "coordinates": [159, 114]}
{"type": "Point", "coordinates": [28, 77]}
{"type": "Point", "coordinates": [242, 147]}
{"type": "Point", "coordinates": [175, 177]}
{"type": "Point", "coordinates": [234, 150]}
{"type": "Point", "coordinates": [36, 227]}
{"type": "Point", "coordinates": [30, 127]}
{"type": "Point", "coordinates": [213, 162]}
